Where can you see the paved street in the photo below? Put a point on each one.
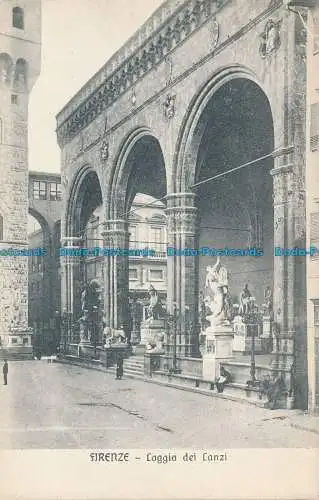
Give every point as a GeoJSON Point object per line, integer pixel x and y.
{"type": "Point", "coordinates": [59, 406]}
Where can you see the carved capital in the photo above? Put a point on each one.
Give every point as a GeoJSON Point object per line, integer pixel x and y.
{"type": "Point", "coordinates": [182, 220]}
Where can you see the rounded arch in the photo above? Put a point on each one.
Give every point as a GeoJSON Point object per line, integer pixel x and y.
{"type": "Point", "coordinates": [85, 179]}
{"type": "Point", "coordinates": [6, 65]}
{"type": "Point", "coordinates": [119, 198]}
{"type": "Point", "coordinates": [21, 72]}
{"type": "Point", "coordinates": [196, 119]}
{"type": "Point", "coordinates": [45, 226]}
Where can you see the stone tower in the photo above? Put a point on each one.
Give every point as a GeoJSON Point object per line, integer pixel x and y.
{"type": "Point", "coordinates": [20, 60]}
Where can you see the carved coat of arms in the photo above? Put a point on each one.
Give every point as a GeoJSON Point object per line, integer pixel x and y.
{"type": "Point", "coordinates": [169, 106]}
{"type": "Point", "coordinates": [104, 151]}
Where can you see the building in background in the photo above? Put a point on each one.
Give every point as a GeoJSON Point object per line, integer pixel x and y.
{"type": "Point", "coordinates": [44, 303]}
{"type": "Point", "coordinates": [147, 230]}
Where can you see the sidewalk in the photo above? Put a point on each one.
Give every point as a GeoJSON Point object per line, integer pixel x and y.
{"type": "Point", "coordinates": [297, 419]}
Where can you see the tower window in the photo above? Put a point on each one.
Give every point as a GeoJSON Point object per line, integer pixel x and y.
{"type": "Point", "coordinates": [18, 18]}
{"type": "Point", "coordinates": [14, 99]}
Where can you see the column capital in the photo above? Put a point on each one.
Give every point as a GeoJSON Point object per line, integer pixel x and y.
{"type": "Point", "coordinates": [283, 183]}
{"type": "Point", "coordinates": [181, 199]}
{"type": "Point", "coordinates": [182, 219]}
{"type": "Point", "coordinates": [115, 227]}
{"type": "Point", "coordinates": [71, 241]}
{"type": "Point", "coordinates": [282, 169]}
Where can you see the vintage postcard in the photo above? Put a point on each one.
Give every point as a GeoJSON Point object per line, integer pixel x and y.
{"type": "Point", "coordinates": [159, 249]}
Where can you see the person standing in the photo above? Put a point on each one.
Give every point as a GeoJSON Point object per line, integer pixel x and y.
{"type": "Point", "coordinates": [5, 372]}
{"type": "Point", "coordinates": [119, 368]}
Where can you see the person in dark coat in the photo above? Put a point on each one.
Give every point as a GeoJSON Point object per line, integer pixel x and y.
{"type": "Point", "coordinates": [5, 372]}
{"type": "Point", "coordinates": [223, 379]}
{"type": "Point", "coordinates": [119, 368]}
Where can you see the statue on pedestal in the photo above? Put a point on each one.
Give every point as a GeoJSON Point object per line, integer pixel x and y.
{"type": "Point", "coordinates": [155, 309]}
{"type": "Point", "coordinates": [218, 299]}
{"type": "Point", "coordinates": [90, 320]}
{"type": "Point", "coordinates": [245, 297]}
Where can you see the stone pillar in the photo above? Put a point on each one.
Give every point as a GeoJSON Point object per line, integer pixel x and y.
{"type": "Point", "coordinates": [70, 260]}
{"type": "Point", "coordinates": [182, 271]}
{"type": "Point", "coordinates": [116, 280]}
{"type": "Point", "coordinates": [287, 286]}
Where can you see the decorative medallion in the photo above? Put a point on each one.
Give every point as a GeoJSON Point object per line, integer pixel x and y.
{"type": "Point", "coordinates": [104, 150]}
{"type": "Point", "coordinates": [270, 38]}
{"type": "Point", "coordinates": [169, 106]}
{"type": "Point", "coordinates": [214, 34]}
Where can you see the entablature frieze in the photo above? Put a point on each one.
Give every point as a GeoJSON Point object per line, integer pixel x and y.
{"type": "Point", "coordinates": [188, 18]}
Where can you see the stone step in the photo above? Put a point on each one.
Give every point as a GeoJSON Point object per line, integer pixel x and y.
{"type": "Point", "coordinates": [240, 372]}
{"type": "Point", "coordinates": [234, 391]}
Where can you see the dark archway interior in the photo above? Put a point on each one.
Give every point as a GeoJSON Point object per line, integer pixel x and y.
{"type": "Point", "coordinates": [147, 175]}
{"type": "Point", "coordinates": [88, 199]}
{"type": "Point", "coordinates": [236, 209]}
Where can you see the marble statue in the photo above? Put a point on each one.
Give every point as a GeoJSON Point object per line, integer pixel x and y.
{"type": "Point", "coordinates": [268, 301]}
{"type": "Point", "coordinates": [155, 307]}
{"type": "Point", "coordinates": [218, 298]}
{"type": "Point", "coordinates": [245, 297]}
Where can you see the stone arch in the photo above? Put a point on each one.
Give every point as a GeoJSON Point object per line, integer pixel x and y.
{"type": "Point", "coordinates": [21, 73]}
{"type": "Point", "coordinates": [74, 219]}
{"type": "Point", "coordinates": [119, 199]}
{"type": "Point", "coordinates": [195, 121]}
{"type": "Point", "coordinates": [44, 223]}
{"type": "Point", "coordinates": [6, 65]}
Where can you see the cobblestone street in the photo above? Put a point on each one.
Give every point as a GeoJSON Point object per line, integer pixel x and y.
{"type": "Point", "coordinates": [59, 406]}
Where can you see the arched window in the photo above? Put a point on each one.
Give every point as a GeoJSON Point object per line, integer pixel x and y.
{"type": "Point", "coordinates": [1, 227]}
{"type": "Point", "coordinates": [21, 73]}
{"type": "Point", "coordinates": [18, 18]}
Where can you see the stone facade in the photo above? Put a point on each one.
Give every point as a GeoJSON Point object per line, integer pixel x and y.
{"type": "Point", "coordinates": [146, 117]}
{"type": "Point", "coordinates": [20, 42]}
{"type": "Point", "coordinates": [312, 189]}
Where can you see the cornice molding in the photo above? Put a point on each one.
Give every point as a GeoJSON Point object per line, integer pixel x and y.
{"type": "Point", "coordinates": [103, 89]}
{"type": "Point", "coordinates": [182, 24]}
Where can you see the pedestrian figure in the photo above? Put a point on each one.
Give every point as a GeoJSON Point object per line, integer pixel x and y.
{"type": "Point", "coordinates": [5, 372]}
{"type": "Point", "coordinates": [119, 368]}
{"type": "Point", "coordinates": [223, 379]}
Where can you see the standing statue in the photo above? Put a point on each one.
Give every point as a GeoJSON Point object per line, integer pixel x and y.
{"type": "Point", "coordinates": [155, 308]}
{"type": "Point", "coordinates": [91, 311]}
{"type": "Point", "coordinates": [216, 276]}
{"type": "Point", "coordinates": [244, 301]}
{"type": "Point", "coordinates": [218, 299]}
{"type": "Point", "coordinates": [268, 301]}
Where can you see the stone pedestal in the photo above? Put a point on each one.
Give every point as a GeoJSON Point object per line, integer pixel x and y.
{"type": "Point", "coordinates": [266, 336]}
{"type": "Point", "coordinates": [242, 341]}
{"type": "Point", "coordinates": [219, 347]}
{"type": "Point", "coordinates": [152, 331]}
{"type": "Point", "coordinates": [17, 344]}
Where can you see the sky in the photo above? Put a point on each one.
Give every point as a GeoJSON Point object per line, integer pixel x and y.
{"type": "Point", "coordinates": [78, 37]}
